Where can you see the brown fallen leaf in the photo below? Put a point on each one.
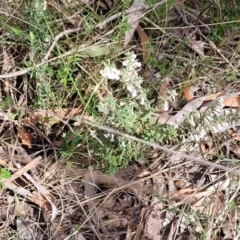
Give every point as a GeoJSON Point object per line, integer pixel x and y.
{"type": "Point", "coordinates": [182, 194]}
{"type": "Point", "coordinates": [162, 103]}
{"type": "Point", "coordinates": [233, 101]}
{"type": "Point", "coordinates": [233, 147]}
{"type": "Point", "coordinates": [234, 134]}
{"type": "Point", "coordinates": [191, 106]}
{"type": "Point", "coordinates": [144, 43]}
{"type": "Point", "coordinates": [197, 46]}
{"type": "Point", "coordinates": [30, 120]}
{"type": "Point", "coordinates": [154, 220]}
{"type": "Point", "coordinates": [188, 94]}
{"type": "Point", "coordinates": [25, 137]}
{"type": "Point", "coordinates": [59, 114]}
{"type": "Point", "coordinates": [164, 87]}
{"type": "Point", "coordinates": [133, 21]}
{"type": "Point", "coordinates": [179, 3]}
{"type": "Point", "coordinates": [95, 178]}
{"type": "Point", "coordinates": [213, 96]}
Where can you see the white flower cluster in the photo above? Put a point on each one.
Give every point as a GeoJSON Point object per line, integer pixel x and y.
{"type": "Point", "coordinates": [110, 72]}
{"type": "Point", "coordinates": [210, 118]}
{"type": "Point", "coordinates": [41, 5]}
{"type": "Point", "coordinates": [128, 75]}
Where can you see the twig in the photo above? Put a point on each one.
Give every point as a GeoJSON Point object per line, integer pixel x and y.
{"type": "Point", "coordinates": [61, 34]}
{"type": "Point", "coordinates": [184, 18]}
{"type": "Point", "coordinates": [197, 159]}
{"type": "Point", "coordinates": [132, 10]}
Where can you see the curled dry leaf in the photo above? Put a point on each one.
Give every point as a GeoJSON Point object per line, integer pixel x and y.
{"type": "Point", "coordinates": [212, 96]}
{"type": "Point", "coordinates": [188, 108]}
{"type": "Point", "coordinates": [206, 147]}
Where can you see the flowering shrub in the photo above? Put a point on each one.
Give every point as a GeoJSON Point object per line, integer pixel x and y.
{"type": "Point", "coordinates": [130, 112]}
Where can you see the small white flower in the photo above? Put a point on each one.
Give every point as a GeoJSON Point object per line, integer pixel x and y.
{"type": "Point", "coordinates": [41, 5]}
{"type": "Point", "coordinates": [132, 89]}
{"type": "Point", "coordinates": [111, 73]}
{"type": "Point", "coordinates": [131, 62]}
{"type": "Point", "coordinates": [142, 102]}
{"type": "Point", "coordinates": [122, 103]}
{"type": "Point", "coordinates": [107, 135]}
{"type": "Point", "coordinates": [47, 40]}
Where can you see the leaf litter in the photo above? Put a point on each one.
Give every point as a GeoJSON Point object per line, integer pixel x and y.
{"type": "Point", "coordinates": [169, 196]}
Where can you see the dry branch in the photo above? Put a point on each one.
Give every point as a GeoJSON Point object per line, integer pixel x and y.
{"type": "Point", "coordinates": [198, 159]}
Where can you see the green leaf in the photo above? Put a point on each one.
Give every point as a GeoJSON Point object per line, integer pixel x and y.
{"type": "Point", "coordinates": [32, 36]}
{"type": "Point", "coordinates": [4, 173]}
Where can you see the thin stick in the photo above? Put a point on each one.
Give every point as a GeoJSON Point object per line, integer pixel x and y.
{"type": "Point", "coordinates": [197, 159]}
{"type": "Point", "coordinates": [61, 34]}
